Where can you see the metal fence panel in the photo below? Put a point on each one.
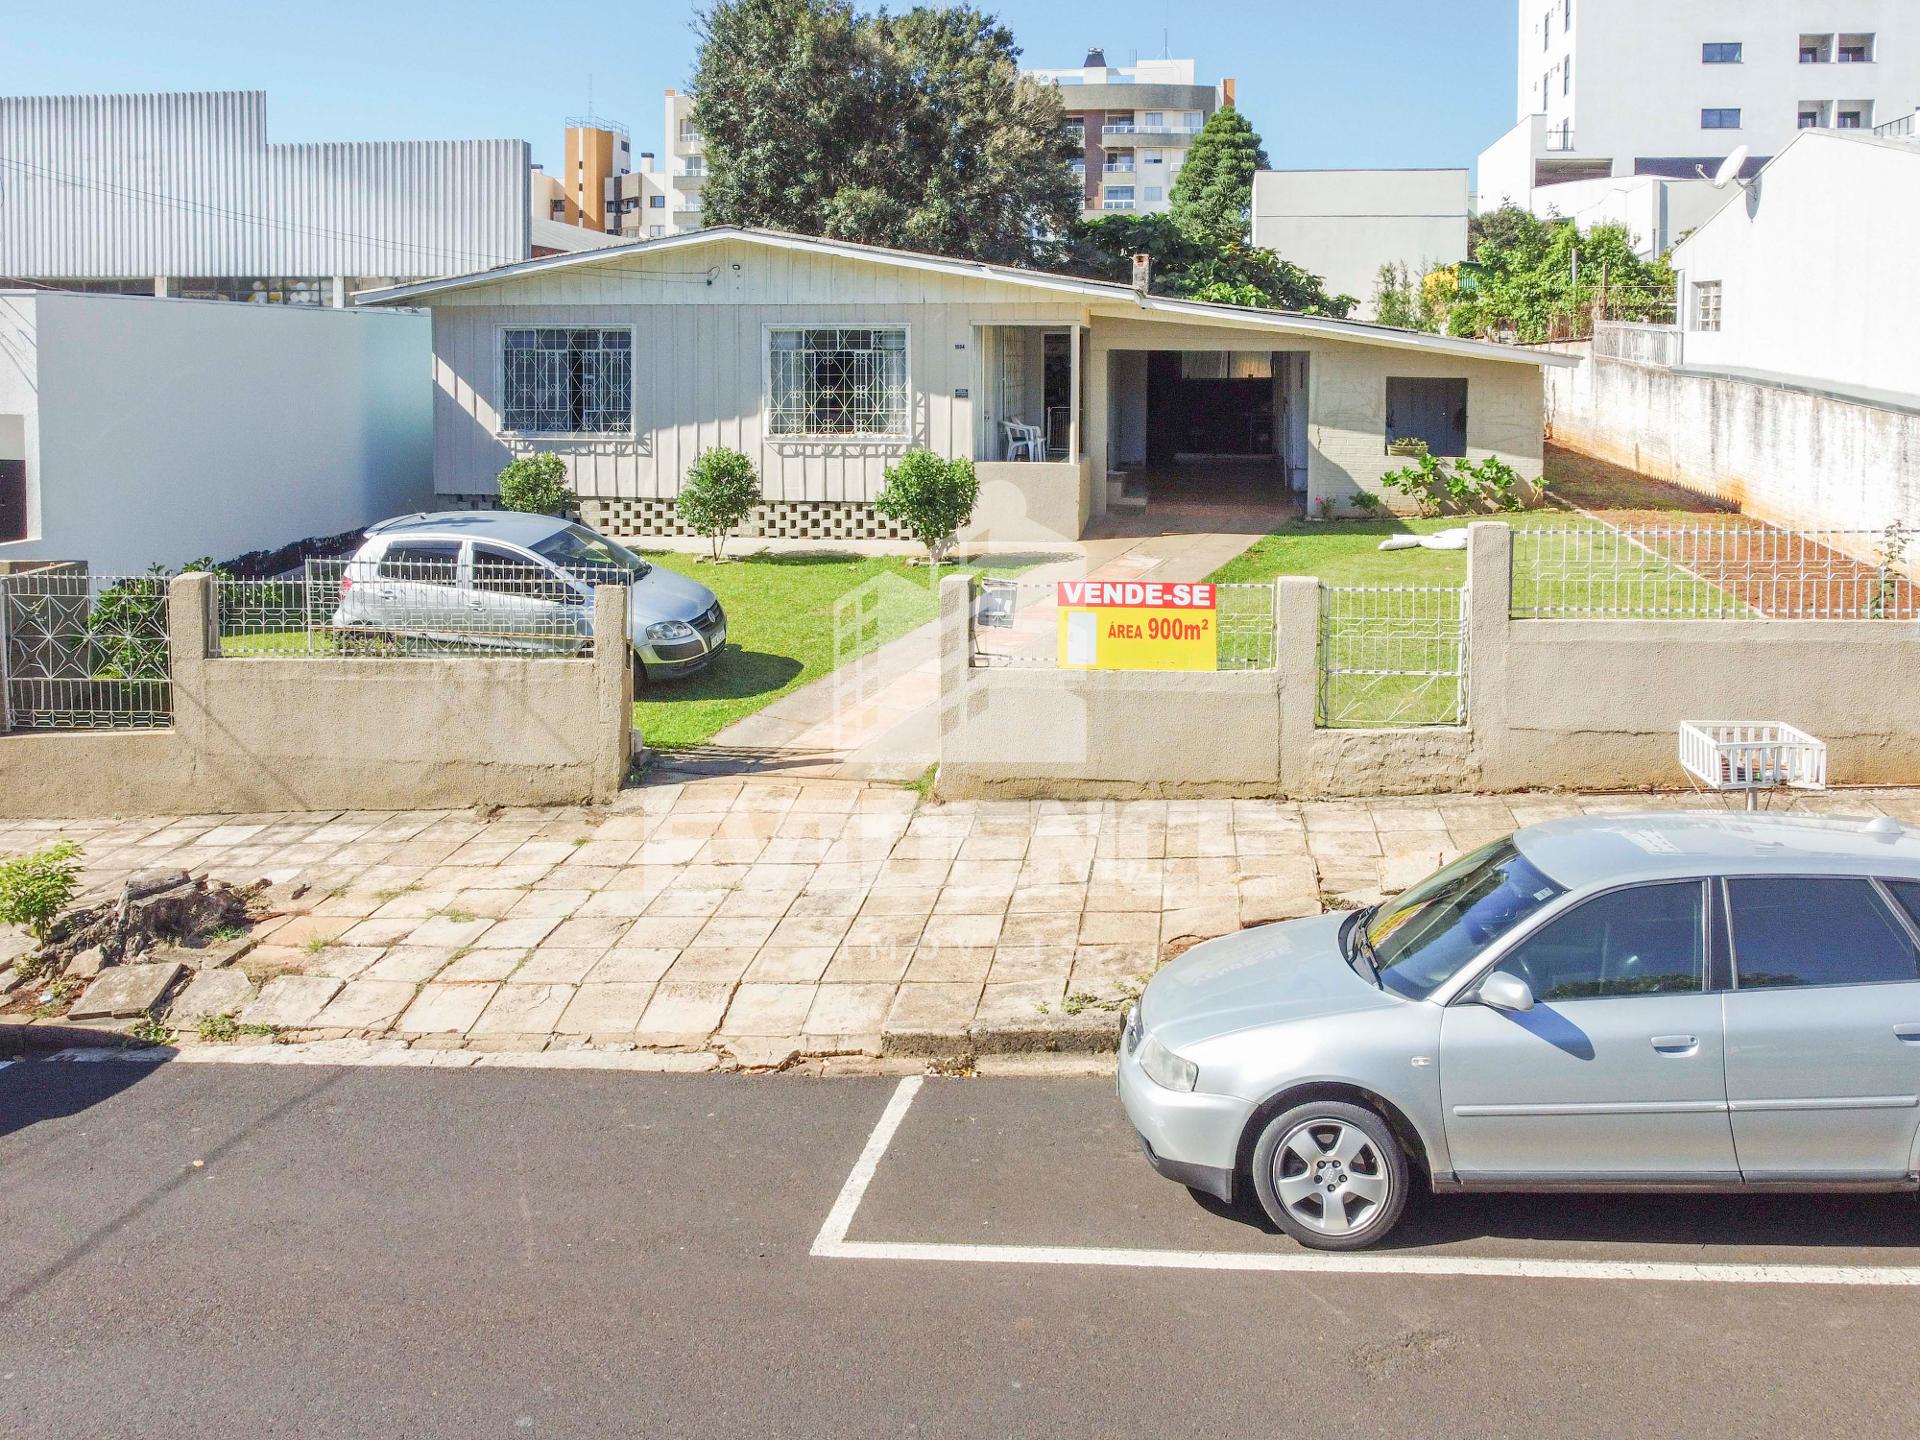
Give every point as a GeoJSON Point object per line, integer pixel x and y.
{"type": "Point", "coordinates": [1392, 655]}
{"type": "Point", "coordinates": [86, 652]}
{"type": "Point", "coordinates": [400, 608]}
{"type": "Point", "coordinates": [1735, 571]}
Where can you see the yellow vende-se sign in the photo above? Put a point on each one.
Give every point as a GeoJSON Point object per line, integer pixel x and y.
{"type": "Point", "coordinates": [1138, 625]}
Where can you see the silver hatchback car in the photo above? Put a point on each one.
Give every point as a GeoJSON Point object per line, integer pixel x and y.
{"type": "Point", "coordinates": [1653, 1002]}
{"type": "Point", "coordinates": [512, 581]}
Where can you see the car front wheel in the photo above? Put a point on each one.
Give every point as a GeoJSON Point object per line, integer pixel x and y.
{"type": "Point", "coordinates": [1331, 1175]}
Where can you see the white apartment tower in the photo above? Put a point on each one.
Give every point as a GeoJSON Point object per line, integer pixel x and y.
{"type": "Point", "coordinates": [1608, 89]}
{"type": "Point", "coordinates": [1134, 124]}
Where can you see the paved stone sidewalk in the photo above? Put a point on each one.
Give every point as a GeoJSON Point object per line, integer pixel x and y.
{"type": "Point", "coordinates": [759, 919]}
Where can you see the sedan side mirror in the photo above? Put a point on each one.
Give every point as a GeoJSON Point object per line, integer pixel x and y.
{"type": "Point", "coordinates": [1506, 992]}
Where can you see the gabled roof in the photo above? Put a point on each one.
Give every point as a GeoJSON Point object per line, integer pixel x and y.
{"type": "Point", "coordinates": [1114, 297]}
{"type": "Point", "coordinates": [1813, 135]}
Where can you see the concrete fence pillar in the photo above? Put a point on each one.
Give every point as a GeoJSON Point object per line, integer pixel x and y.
{"type": "Point", "coordinates": [613, 690]}
{"type": "Point", "coordinates": [1489, 620]}
{"type": "Point", "coordinates": [1296, 663]}
{"type": "Point", "coordinates": [193, 639]}
{"type": "Point", "coordinates": [956, 654]}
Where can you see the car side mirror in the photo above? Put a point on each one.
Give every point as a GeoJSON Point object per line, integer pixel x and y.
{"type": "Point", "coordinates": [1506, 992]}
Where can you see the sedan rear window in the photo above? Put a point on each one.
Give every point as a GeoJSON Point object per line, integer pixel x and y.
{"type": "Point", "coordinates": [1797, 930]}
{"type": "Point", "coordinates": [1421, 940]}
{"type": "Point", "coordinates": [427, 562]}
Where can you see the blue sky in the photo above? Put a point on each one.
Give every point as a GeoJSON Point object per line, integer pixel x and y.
{"type": "Point", "coordinates": [1390, 82]}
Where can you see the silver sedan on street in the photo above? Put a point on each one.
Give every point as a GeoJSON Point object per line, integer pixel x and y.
{"type": "Point", "coordinates": [1678, 1001]}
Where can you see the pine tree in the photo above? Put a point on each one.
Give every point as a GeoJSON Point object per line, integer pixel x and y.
{"type": "Point", "coordinates": [1213, 194]}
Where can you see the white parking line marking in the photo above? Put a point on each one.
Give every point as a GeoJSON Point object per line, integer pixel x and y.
{"type": "Point", "coordinates": [832, 1243]}
{"type": "Point", "coordinates": [832, 1238]}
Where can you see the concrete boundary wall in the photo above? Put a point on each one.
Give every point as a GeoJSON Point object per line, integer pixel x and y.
{"type": "Point", "coordinates": [253, 735]}
{"type": "Point", "coordinates": [1803, 458]}
{"type": "Point", "coordinates": [1552, 704]}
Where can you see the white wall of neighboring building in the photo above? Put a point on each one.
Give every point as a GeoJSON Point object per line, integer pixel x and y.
{"type": "Point", "coordinates": [1619, 87]}
{"type": "Point", "coordinates": [1343, 225]}
{"type": "Point", "coordinates": [157, 431]}
{"type": "Point", "coordinates": [126, 187]}
{"type": "Point", "coordinates": [1639, 81]}
{"type": "Point", "coordinates": [1815, 265]}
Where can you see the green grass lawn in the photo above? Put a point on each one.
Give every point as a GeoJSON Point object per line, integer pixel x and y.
{"type": "Point", "coordinates": [1347, 552]}
{"type": "Point", "coordinates": [1384, 657]}
{"type": "Point", "coordinates": [791, 618]}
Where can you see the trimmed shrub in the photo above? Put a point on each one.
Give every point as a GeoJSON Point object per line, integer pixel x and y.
{"type": "Point", "coordinates": [932, 497]}
{"type": "Point", "coordinates": [536, 485]}
{"type": "Point", "coordinates": [720, 492]}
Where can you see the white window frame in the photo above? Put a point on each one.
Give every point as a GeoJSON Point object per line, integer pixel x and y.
{"type": "Point", "coordinates": [1708, 295]}
{"type": "Point", "coordinates": [500, 332]}
{"type": "Point", "coordinates": [850, 437]}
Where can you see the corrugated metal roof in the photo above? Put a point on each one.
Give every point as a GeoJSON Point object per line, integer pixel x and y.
{"type": "Point", "coordinates": [185, 184]}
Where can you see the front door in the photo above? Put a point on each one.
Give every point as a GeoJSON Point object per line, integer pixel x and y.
{"type": "Point", "coordinates": [1615, 1075]}
{"type": "Point", "coordinates": [1823, 1028]}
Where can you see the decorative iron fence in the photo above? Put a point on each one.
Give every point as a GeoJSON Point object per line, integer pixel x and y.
{"type": "Point", "coordinates": [84, 652]}
{"type": "Point", "coordinates": [1019, 624]}
{"type": "Point", "coordinates": [397, 607]}
{"type": "Point", "coordinates": [1392, 655]}
{"type": "Point", "coordinates": [1734, 571]}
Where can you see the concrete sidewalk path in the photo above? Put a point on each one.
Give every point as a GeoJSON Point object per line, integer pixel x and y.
{"type": "Point", "coordinates": [759, 920]}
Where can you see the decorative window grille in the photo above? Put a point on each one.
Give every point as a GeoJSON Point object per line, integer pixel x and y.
{"type": "Point", "coordinates": [572, 381]}
{"type": "Point", "coordinates": [841, 381]}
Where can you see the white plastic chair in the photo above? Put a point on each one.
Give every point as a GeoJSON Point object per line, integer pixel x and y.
{"type": "Point", "coordinates": [1021, 437]}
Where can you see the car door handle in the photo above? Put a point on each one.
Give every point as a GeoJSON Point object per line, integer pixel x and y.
{"type": "Point", "coordinates": [1908, 1033]}
{"type": "Point", "coordinates": [1676, 1044]}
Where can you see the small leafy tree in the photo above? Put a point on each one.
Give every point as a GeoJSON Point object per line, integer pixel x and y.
{"type": "Point", "coordinates": [536, 485]}
{"type": "Point", "coordinates": [36, 888]}
{"type": "Point", "coordinates": [932, 497]}
{"type": "Point", "coordinates": [720, 492]}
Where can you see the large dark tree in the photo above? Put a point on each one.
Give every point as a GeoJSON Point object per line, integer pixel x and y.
{"type": "Point", "coordinates": [913, 130]}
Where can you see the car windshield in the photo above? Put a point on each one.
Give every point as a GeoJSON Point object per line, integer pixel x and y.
{"type": "Point", "coordinates": [590, 557]}
{"type": "Point", "coordinates": [1419, 941]}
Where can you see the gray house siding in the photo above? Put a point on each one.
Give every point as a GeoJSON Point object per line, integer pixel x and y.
{"type": "Point", "coordinates": [700, 367]}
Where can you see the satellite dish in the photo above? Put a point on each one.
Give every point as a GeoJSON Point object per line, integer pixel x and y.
{"type": "Point", "coordinates": [1730, 168]}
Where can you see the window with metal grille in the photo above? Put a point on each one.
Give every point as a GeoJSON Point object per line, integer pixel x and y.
{"type": "Point", "coordinates": [567, 381]}
{"type": "Point", "coordinates": [839, 381]}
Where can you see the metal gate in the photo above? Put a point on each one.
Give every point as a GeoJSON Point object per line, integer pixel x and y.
{"type": "Point", "coordinates": [1393, 655]}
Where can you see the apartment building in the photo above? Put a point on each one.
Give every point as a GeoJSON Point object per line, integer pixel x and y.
{"type": "Point", "coordinates": [182, 195]}
{"type": "Point", "coordinates": [1619, 103]}
{"type": "Point", "coordinates": [1134, 124]}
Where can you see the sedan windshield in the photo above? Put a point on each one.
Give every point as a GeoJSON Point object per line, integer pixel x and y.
{"type": "Point", "coordinates": [1419, 941]}
{"type": "Point", "coordinates": [590, 557]}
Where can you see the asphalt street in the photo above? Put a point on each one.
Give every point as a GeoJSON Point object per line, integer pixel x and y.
{"type": "Point", "coordinates": [211, 1250]}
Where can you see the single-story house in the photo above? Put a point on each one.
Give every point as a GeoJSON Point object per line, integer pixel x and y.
{"type": "Point", "coordinates": [824, 361]}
